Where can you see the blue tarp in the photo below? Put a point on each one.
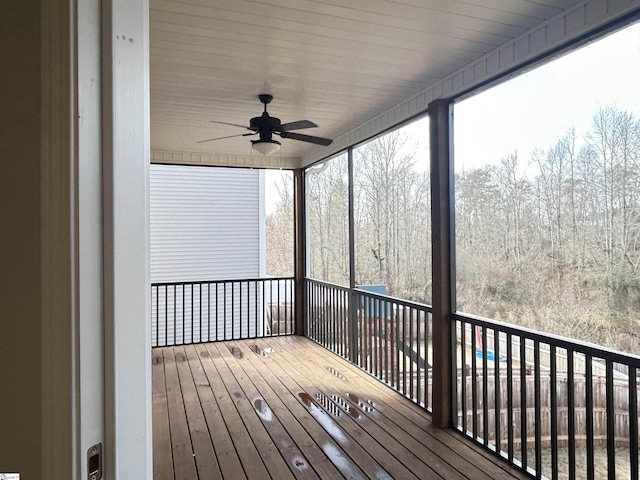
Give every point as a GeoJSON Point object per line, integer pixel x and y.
{"type": "Point", "coordinates": [490, 355]}
{"type": "Point", "coordinates": [372, 306]}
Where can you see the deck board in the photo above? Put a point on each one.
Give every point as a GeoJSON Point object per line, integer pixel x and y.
{"type": "Point", "coordinates": [238, 410]}
{"type": "Point", "coordinates": [163, 465]}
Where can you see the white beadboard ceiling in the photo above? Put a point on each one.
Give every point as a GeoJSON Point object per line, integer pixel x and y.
{"type": "Point", "coordinates": [338, 63]}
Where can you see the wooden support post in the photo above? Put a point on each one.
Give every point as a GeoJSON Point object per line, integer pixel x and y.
{"type": "Point", "coordinates": [440, 116]}
{"type": "Point", "coordinates": [300, 254]}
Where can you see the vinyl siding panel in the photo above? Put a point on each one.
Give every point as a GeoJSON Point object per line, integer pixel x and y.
{"type": "Point", "coordinates": [205, 223]}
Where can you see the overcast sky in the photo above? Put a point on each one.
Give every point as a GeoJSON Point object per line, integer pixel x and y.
{"type": "Point", "coordinates": [537, 108]}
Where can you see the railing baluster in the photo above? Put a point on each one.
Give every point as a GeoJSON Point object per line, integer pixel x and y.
{"type": "Point", "coordinates": [364, 338]}
{"type": "Point", "coordinates": [183, 313]}
{"type": "Point", "coordinates": [404, 356]}
{"type": "Point", "coordinates": [418, 355]}
{"type": "Point", "coordinates": [251, 308]}
{"type": "Point", "coordinates": [427, 367]}
{"type": "Point", "coordinates": [175, 308]}
{"type": "Point", "coordinates": [633, 422]}
{"type": "Point", "coordinates": [571, 416]}
{"type": "Point", "coordinates": [485, 387]}
{"type": "Point", "coordinates": [332, 319]}
{"type": "Point", "coordinates": [463, 387]}
{"type": "Point", "coordinates": [208, 311]}
{"type": "Point", "coordinates": [611, 441]}
{"type": "Point", "coordinates": [496, 389]}
{"type": "Point", "coordinates": [246, 293]}
{"type": "Point", "coordinates": [316, 313]}
{"type": "Point", "coordinates": [523, 402]}
{"type": "Point", "coordinates": [589, 416]}
{"type": "Point", "coordinates": [311, 305]}
{"type": "Point", "coordinates": [259, 326]}
{"type": "Point", "coordinates": [372, 334]}
{"type": "Point", "coordinates": [321, 314]}
{"type": "Point", "coordinates": [374, 343]}
{"type": "Point", "coordinates": [322, 325]}
{"type": "Point", "coordinates": [323, 328]}
{"type": "Point", "coordinates": [217, 312]}
{"type": "Point", "coordinates": [344, 333]}
{"type": "Point", "coordinates": [154, 316]}
{"type": "Point", "coordinates": [510, 397]}
{"type": "Point", "coordinates": [378, 337]}
{"type": "Point", "coordinates": [224, 310]}
{"type": "Point", "coordinates": [386, 317]}
{"type": "Point", "coordinates": [362, 323]}
{"type": "Point", "coordinates": [474, 382]}
{"type": "Point", "coordinates": [267, 309]}
{"type": "Point", "coordinates": [412, 350]}
{"type": "Point", "coordinates": [334, 323]}
{"type": "Point", "coordinates": [393, 348]}
{"type": "Point", "coordinates": [538, 408]}
{"type": "Point", "coordinates": [554, 411]}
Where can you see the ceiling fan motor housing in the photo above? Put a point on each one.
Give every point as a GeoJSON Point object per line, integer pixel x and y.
{"type": "Point", "coordinates": [265, 122]}
{"type": "Point", "coordinates": [266, 126]}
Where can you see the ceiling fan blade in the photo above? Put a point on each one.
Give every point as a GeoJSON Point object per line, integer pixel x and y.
{"type": "Point", "coordinates": [299, 125]}
{"type": "Point", "coordinates": [306, 138]}
{"type": "Point", "coordinates": [228, 136]}
{"type": "Point", "coordinates": [232, 124]}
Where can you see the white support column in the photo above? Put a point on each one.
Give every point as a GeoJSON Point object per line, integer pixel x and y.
{"type": "Point", "coordinates": [126, 240]}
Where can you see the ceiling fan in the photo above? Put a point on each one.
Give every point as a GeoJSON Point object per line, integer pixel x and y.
{"type": "Point", "coordinates": [266, 125]}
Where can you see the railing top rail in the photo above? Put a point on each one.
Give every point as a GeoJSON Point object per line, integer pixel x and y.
{"type": "Point", "coordinates": [328, 284]}
{"type": "Point", "coordinates": [556, 340]}
{"type": "Point", "coordinates": [381, 296]}
{"type": "Point", "coordinates": [228, 280]}
{"type": "Point", "coordinates": [399, 301]}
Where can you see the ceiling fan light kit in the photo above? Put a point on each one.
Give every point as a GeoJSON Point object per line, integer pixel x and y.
{"type": "Point", "coordinates": [266, 125]}
{"type": "Point", "coordinates": [265, 147]}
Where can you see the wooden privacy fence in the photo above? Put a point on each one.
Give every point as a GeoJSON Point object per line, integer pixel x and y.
{"type": "Point", "coordinates": [562, 409]}
{"type": "Point", "coordinates": [525, 395]}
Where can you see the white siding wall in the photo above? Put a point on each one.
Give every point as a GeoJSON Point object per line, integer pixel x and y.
{"type": "Point", "coordinates": [206, 224]}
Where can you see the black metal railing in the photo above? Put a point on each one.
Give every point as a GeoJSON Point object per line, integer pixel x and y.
{"type": "Point", "coordinates": [554, 407]}
{"type": "Point", "coordinates": [388, 337]}
{"type": "Point", "coordinates": [209, 311]}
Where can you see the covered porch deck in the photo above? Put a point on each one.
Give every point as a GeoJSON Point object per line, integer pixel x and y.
{"type": "Point", "coordinates": [285, 407]}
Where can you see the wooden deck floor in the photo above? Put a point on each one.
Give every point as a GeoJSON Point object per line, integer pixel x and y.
{"type": "Point", "coordinates": [286, 408]}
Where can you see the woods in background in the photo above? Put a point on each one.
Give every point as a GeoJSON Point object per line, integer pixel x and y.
{"type": "Point", "coordinates": [550, 242]}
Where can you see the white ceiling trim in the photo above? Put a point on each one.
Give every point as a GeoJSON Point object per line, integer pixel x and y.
{"type": "Point", "coordinates": [560, 30]}
{"type": "Point", "coordinates": [221, 160]}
